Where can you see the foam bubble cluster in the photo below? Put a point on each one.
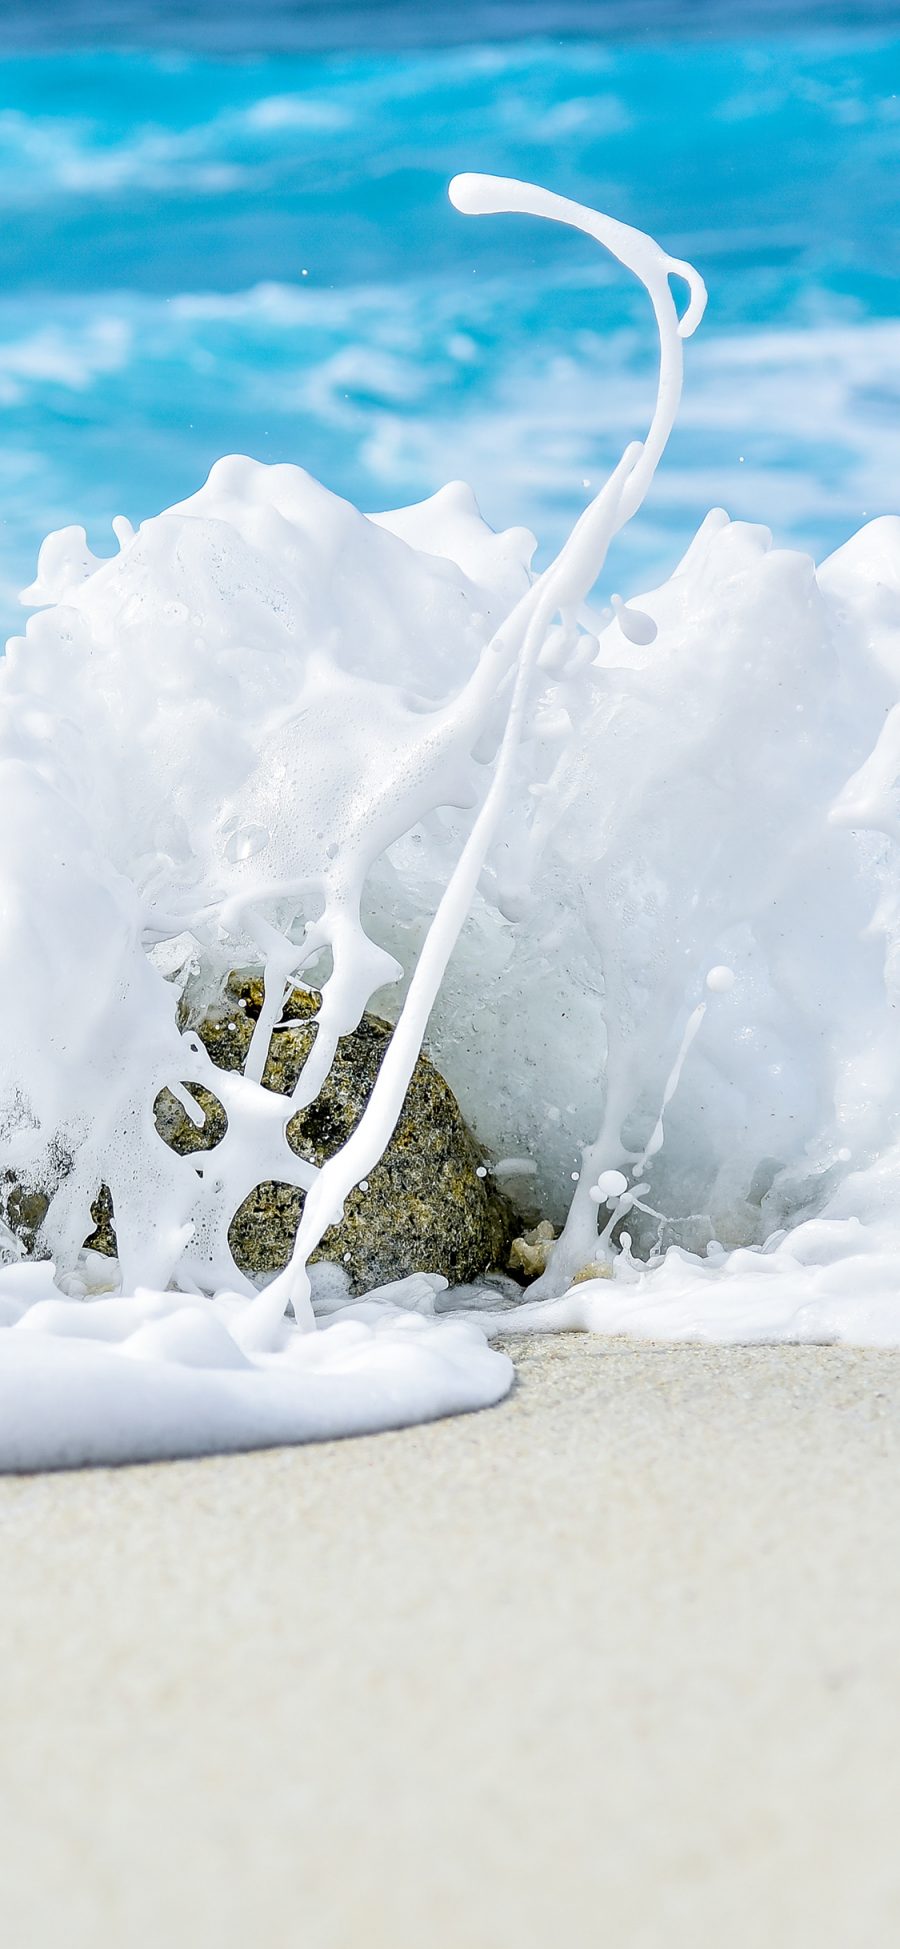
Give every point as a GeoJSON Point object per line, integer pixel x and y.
{"type": "Point", "coordinates": [635, 866]}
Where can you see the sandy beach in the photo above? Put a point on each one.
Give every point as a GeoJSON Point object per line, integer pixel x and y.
{"type": "Point", "coordinates": [614, 1662]}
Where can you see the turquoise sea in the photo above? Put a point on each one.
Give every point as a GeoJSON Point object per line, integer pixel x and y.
{"type": "Point", "coordinates": [231, 233]}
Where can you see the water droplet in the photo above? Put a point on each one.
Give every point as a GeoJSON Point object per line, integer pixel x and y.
{"type": "Point", "coordinates": [720, 980]}
{"type": "Point", "coordinates": [245, 842]}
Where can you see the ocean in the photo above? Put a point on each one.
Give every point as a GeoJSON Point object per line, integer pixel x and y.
{"type": "Point", "coordinates": [231, 233]}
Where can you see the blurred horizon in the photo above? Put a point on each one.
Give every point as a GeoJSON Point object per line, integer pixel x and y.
{"type": "Point", "coordinates": [288, 26]}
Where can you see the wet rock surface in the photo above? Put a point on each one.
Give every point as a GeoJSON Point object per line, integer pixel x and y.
{"type": "Point", "coordinates": [425, 1208]}
{"type": "Point", "coordinates": [23, 1208]}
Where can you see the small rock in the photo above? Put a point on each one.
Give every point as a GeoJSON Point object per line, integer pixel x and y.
{"type": "Point", "coordinates": [425, 1208]}
{"type": "Point", "coordinates": [530, 1252]}
{"type": "Point", "coordinates": [23, 1208]}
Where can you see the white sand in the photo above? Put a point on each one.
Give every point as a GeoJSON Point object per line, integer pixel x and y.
{"type": "Point", "coordinates": [616, 1663]}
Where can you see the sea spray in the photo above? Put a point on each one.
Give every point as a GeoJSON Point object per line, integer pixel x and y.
{"type": "Point", "coordinates": [633, 867]}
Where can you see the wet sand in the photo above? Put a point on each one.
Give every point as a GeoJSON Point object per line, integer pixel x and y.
{"type": "Point", "coordinates": [617, 1662]}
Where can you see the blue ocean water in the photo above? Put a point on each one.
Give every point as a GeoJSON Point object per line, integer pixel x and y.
{"type": "Point", "coordinates": [233, 235]}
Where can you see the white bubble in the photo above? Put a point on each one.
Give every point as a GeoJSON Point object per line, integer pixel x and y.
{"type": "Point", "coordinates": [609, 1185]}
{"type": "Point", "coordinates": [720, 980]}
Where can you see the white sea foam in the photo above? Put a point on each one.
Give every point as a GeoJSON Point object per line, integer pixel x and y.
{"type": "Point", "coordinates": [405, 388]}
{"type": "Point", "coordinates": [636, 870]}
{"type": "Point", "coordinates": [158, 1375]}
{"type": "Point", "coordinates": [796, 422]}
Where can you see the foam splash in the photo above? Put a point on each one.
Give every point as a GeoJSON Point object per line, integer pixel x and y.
{"type": "Point", "coordinates": [635, 869]}
{"type": "Point", "coordinates": [157, 1375]}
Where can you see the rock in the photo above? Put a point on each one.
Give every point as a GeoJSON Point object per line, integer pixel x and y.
{"type": "Point", "coordinates": [530, 1252]}
{"type": "Point", "coordinates": [103, 1239]}
{"type": "Point", "coordinates": [597, 1269]}
{"type": "Point", "coordinates": [23, 1208]}
{"type": "Point", "coordinates": [426, 1209]}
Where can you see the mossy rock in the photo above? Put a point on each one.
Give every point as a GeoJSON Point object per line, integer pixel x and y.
{"type": "Point", "coordinates": [23, 1207]}
{"type": "Point", "coordinates": [425, 1207]}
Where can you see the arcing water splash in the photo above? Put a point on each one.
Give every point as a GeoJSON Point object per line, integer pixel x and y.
{"type": "Point", "coordinates": [274, 731]}
{"type": "Point", "coordinates": [498, 195]}
{"type": "Point", "coordinates": [561, 590]}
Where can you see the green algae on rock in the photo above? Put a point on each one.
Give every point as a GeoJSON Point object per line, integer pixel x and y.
{"type": "Point", "coordinates": [424, 1208]}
